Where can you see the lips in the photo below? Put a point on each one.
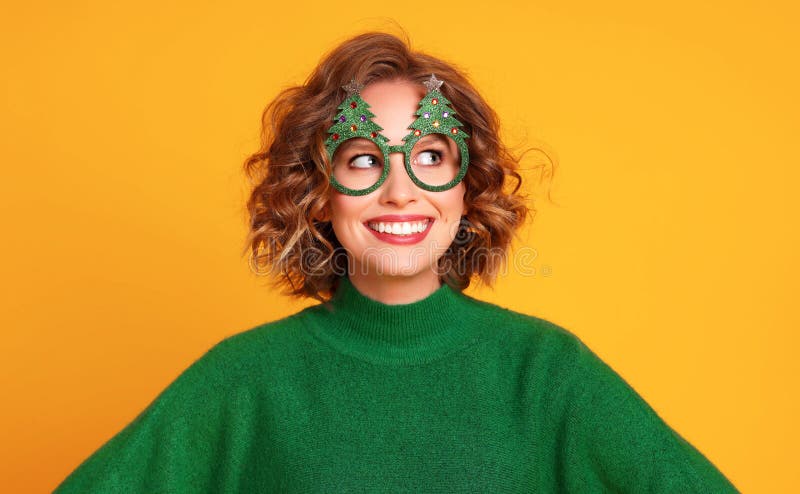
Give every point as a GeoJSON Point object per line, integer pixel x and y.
{"type": "Point", "coordinates": [400, 229]}
{"type": "Point", "coordinates": [399, 217]}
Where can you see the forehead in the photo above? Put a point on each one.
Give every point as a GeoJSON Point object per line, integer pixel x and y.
{"type": "Point", "coordinates": [394, 104]}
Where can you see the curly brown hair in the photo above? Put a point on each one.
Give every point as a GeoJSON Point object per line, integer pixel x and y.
{"type": "Point", "coordinates": [289, 236]}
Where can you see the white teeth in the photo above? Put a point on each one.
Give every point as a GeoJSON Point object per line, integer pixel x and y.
{"type": "Point", "coordinates": [400, 228]}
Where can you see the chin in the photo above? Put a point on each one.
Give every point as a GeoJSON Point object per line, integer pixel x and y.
{"type": "Point", "coordinates": [400, 268]}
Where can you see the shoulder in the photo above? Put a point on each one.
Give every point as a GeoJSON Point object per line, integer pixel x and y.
{"type": "Point", "coordinates": [264, 336]}
{"type": "Point", "coordinates": [526, 330]}
{"type": "Point", "coordinates": [577, 362]}
{"type": "Point", "coordinates": [262, 349]}
{"type": "Point", "coordinates": [552, 350]}
{"type": "Point", "coordinates": [534, 345]}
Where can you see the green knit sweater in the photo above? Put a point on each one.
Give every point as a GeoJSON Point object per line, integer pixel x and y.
{"type": "Point", "coordinates": [448, 394]}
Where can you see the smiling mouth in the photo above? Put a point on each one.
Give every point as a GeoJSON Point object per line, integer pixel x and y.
{"type": "Point", "coordinates": [400, 228]}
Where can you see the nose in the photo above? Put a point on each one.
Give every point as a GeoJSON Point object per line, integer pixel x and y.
{"type": "Point", "coordinates": [398, 189]}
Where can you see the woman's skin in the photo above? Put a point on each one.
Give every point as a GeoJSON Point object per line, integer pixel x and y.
{"type": "Point", "coordinates": [384, 267]}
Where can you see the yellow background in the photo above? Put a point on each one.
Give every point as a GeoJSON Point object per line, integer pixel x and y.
{"type": "Point", "coordinates": [670, 247]}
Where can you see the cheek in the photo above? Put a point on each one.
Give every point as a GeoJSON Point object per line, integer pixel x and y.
{"type": "Point", "coordinates": [345, 212]}
{"type": "Point", "coordinates": [342, 206]}
{"type": "Point", "coordinates": [453, 202]}
{"type": "Point", "coordinates": [451, 206]}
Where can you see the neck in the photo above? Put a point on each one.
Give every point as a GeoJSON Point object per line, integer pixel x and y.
{"type": "Point", "coordinates": [398, 334]}
{"type": "Point", "coordinates": [393, 290]}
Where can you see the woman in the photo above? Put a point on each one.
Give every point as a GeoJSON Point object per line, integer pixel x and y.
{"type": "Point", "coordinates": [382, 190]}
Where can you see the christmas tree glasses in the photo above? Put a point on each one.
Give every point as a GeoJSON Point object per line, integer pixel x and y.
{"type": "Point", "coordinates": [436, 155]}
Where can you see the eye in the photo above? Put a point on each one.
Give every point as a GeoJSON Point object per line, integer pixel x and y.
{"type": "Point", "coordinates": [364, 161]}
{"type": "Point", "coordinates": [428, 158]}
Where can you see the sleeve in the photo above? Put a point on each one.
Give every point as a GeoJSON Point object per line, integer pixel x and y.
{"type": "Point", "coordinates": [617, 443]}
{"type": "Point", "coordinates": [174, 445]}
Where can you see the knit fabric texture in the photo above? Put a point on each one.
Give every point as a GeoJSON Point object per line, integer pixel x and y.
{"type": "Point", "coordinates": [448, 394]}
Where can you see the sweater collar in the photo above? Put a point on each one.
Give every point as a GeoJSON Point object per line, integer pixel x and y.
{"type": "Point", "coordinates": [417, 332]}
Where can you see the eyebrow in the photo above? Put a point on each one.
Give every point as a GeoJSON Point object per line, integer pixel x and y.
{"type": "Point", "coordinates": [358, 144]}
{"type": "Point", "coordinates": [361, 144]}
{"type": "Point", "coordinates": [433, 137]}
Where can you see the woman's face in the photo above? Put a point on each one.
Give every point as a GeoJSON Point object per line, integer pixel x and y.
{"type": "Point", "coordinates": [418, 225]}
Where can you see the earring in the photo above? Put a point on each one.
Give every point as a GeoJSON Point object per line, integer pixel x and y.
{"type": "Point", "coordinates": [465, 234]}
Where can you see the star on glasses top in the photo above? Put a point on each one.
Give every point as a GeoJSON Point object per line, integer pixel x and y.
{"type": "Point", "coordinates": [433, 84]}
{"type": "Point", "coordinates": [353, 87]}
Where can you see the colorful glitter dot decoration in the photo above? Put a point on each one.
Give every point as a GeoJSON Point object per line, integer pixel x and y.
{"type": "Point", "coordinates": [352, 109]}
{"type": "Point", "coordinates": [434, 116]}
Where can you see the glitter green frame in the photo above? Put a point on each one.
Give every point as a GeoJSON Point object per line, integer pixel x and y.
{"type": "Point", "coordinates": [434, 115]}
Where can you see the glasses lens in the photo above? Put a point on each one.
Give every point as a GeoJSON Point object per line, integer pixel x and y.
{"type": "Point", "coordinates": [435, 159]}
{"type": "Point", "coordinates": [358, 163]}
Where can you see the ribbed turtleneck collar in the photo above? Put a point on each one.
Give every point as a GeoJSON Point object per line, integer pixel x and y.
{"type": "Point", "coordinates": [418, 332]}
